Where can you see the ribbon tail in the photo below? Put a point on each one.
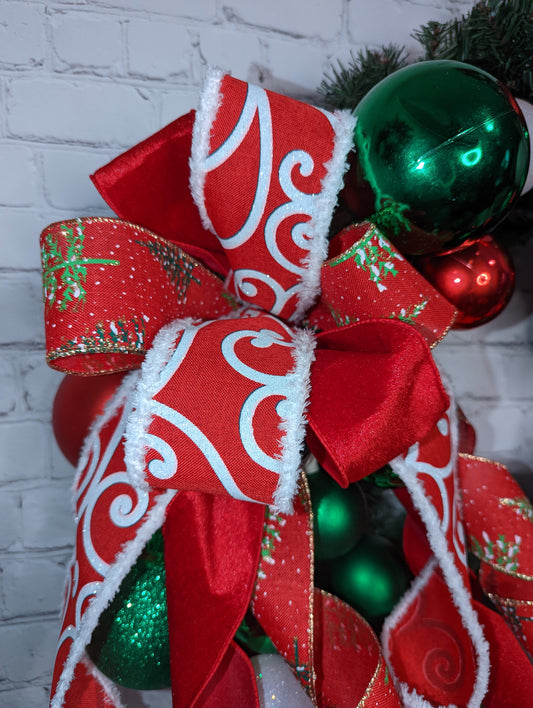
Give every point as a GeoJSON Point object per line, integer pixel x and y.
{"type": "Point", "coordinates": [348, 658]}
{"type": "Point", "coordinates": [440, 598]}
{"type": "Point", "coordinates": [511, 677]}
{"type": "Point", "coordinates": [91, 689]}
{"type": "Point", "coordinates": [498, 519]}
{"type": "Point", "coordinates": [329, 647]}
{"type": "Point", "coordinates": [115, 520]}
{"type": "Point", "coordinates": [283, 596]}
{"type": "Point", "coordinates": [212, 546]}
{"type": "Point", "coordinates": [233, 683]}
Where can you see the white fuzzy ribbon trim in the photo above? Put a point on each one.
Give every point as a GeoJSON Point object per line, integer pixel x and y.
{"type": "Point", "coordinates": [123, 561]}
{"type": "Point", "coordinates": [460, 595]}
{"type": "Point", "coordinates": [343, 123]}
{"type": "Point", "coordinates": [210, 101]}
{"type": "Point", "coordinates": [294, 422]}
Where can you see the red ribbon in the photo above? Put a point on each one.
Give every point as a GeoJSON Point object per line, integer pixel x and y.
{"type": "Point", "coordinates": [212, 575]}
{"type": "Point", "coordinates": [500, 535]}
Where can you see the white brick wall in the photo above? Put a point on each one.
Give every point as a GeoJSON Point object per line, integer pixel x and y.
{"type": "Point", "coordinates": [80, 80]}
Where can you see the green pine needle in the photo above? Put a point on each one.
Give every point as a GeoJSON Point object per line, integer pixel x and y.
{"type": "Point", "coordinates": [347, 85]}
{"type": "Point", "coordinates": [496, 35]}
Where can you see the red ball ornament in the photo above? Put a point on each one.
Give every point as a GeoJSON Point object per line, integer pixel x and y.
{"type": "Point", "coordinates": [79, 401]}
{"type": "Point", "coordinates": [477, 277]}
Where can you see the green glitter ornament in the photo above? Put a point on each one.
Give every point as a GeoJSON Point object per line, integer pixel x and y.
{"type": "Point", "coordinates": [130, 644]}
{"type": "Point", "coordinates": [372, 577]}
{"type": "Point", "coordinates": [339, 516]}
{"type": "Point", "coordinates": [441, 152]}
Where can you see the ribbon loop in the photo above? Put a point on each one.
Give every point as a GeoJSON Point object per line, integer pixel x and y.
{"type": "Point", "coordinates": [366, 277]}
{"type": "Point", "coordinates": [220, 409]}
{"type": "Point", "coordinates": [149, 185]}
{"type": "Point", "coordinates": [265, 174]}
{"type": "Point", "coordinates": [379, 378]}
{"type": "Point", "coordinates": [109, 286]}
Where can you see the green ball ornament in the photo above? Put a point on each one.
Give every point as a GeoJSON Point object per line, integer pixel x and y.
{"type": "Point", "coordinates": [385, 478]}
{"type": "Point", "coordinates": [441, 152]}
{"type": "Point", "coordinates": [339, 516]}
{"type": "Point", "coordinates": [251, 636]}
{"type": "Point", "coordinates": [130, 644]}
{"type": "Point", "coordinates": [372, 577]}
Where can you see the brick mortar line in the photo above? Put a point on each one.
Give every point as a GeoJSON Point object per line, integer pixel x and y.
{"type": "Point", "coordinates": [12, 686]}
{"type": "Point", "coordinates": [127, 79]}
{"type": "Point", "coordinates": [23, 554]}
{"type": "Point", "coordinates": [20, 486]}
{"type": "Point", "coordinates": [41, 617]}
{"type": "Point", "coordinates": [8, 270]}
{"type": "Point", "coordinates": [13, 417]}
{"type": "Point", "coordinates": [107, 10]}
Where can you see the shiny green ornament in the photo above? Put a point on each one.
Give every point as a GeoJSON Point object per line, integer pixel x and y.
{"type": "Point", "coordinates": [385, 478]}
{"type": "Point", "coordinates": [130, 644]}
{"type": "Point", "coordinates": [372, 577]}
{"type": "Point", "coordinates": [339, 516]}
{"type": "Point", "coordinates": [441, 152]}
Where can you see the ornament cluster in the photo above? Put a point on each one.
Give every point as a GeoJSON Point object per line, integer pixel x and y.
{"type": "Point", "coordinates": [441, 154]}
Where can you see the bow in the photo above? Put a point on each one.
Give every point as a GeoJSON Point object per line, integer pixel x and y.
{"type": "Point", "coordinates": [251, 342]}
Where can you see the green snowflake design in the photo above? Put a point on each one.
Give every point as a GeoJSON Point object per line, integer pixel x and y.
{"type": "Point", "coordinates": [521, 505]}
{"type": "Point", "coordinates": [410, 314]}
{"type": "Point", "coordinates": [500, 553]}
{"type": "Point", "coordinates": [65, 270]}
{"type": "Point", "coordinates": [177, 266]}
{"type": "Point", "coordinates": [373, 254]}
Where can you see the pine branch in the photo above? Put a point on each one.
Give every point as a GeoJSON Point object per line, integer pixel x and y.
{"type": "Point", "coordinates": [346, 85]}
{"type": "Point", "coordinates": [178, 267]}
{"type": "Point", "coordinates": [496, 35]}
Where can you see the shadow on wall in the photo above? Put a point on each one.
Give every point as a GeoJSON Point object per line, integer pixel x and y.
{"type": "Point", "coordinates": [262, 76]}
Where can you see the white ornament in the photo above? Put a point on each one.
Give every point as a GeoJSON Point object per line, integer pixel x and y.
{"type": "Point", "coordinates": [527, 112]}
{"type": "Point", "coordinates": [276, 684]}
